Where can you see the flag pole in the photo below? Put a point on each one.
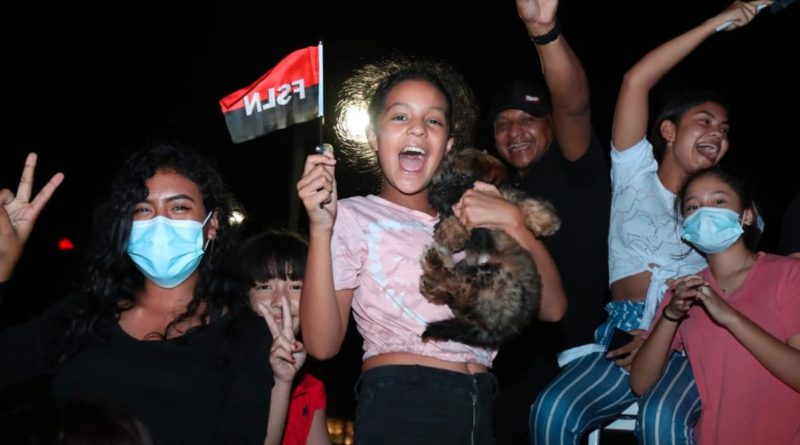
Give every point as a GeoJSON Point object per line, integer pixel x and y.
{"type": "Point", "coordinates": [321, 94]}
{"type": "Point", "coordinates": [300, 151]}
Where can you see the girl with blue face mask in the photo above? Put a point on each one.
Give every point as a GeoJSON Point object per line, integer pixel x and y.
{"type": "Point", "coordinates": [158, 325]}
{"type": "Point", "coordinates": [738, 320]}
{"type": "Point", "coordinates": [689, 133]}
{"type": "Point", "coordinates": [167, 251]}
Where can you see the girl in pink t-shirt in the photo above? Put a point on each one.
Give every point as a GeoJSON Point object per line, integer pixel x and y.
{"type": "Point", "coordinates": [364, 254]}
{"type": "Point", "coordinates": [738, 320]}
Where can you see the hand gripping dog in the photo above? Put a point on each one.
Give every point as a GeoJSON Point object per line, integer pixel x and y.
{"type": "Point", "coordinates": [494, 288]}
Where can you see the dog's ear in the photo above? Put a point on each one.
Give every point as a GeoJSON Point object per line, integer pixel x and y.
{"type": "Point", "coordinates": [490, 169]}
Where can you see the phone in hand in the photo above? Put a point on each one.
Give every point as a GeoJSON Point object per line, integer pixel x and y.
{"type": "Point", "coordinates": [619, 338]}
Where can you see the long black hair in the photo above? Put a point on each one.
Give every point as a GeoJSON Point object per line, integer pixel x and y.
{"type": "Point", "coordinates": [109, 278]}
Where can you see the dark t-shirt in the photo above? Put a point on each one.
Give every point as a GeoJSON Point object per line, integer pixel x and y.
{"type": "Point", "coordinates": [211, 385]}
{"type": "Point", "coordinates": [581, 193]}
{"type": "Point", "coordinates": [790, 228]}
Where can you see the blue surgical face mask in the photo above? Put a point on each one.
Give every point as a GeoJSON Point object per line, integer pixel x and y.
{"type": "Point", "coordinates": [166, 250]}
{"type": "Point", "coordinates": [712, 229]}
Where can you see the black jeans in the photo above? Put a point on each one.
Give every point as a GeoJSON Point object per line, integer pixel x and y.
{"type": "Point", "coordinates": [419, 405]}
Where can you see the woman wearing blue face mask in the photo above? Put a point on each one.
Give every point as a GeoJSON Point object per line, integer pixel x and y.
{"type": "Point", "coordinates": [157, 324]}
{"type": "Point", "coordinates": [738, 320]}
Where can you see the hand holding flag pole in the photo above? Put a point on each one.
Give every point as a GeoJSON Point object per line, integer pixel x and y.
{"type": "Point", "coordinates": [289, 93]}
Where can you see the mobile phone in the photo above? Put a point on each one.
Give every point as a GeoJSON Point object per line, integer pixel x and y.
{"type": "Point", "coordinates": [619, 338]}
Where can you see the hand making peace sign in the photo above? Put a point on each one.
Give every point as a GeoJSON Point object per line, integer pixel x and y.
{"type": "Point", "coordinates": [287, 355]}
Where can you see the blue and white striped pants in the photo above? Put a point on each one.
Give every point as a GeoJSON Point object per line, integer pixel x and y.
{"type": "Point", "coordinates": [592, 390]}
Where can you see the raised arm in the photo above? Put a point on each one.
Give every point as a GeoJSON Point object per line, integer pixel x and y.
{"type": "Point", "coordinates": [18, 214]}
{"type": "Point", "coordinates": [630, 116]}
{"type": "Point", "coordinates": [324, 313]}
{"type": "Point", "coordinates": [565, 78]}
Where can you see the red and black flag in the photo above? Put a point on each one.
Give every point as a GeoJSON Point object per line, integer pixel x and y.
{"type": "Point", "coordinates": [289, 93]}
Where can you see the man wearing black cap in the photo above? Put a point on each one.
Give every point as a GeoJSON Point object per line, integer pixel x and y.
{"type": "Point", "coordinates": [547, 138]}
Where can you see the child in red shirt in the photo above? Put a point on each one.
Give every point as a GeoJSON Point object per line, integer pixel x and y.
{"type": "Point", "coordinates": [273, 266]}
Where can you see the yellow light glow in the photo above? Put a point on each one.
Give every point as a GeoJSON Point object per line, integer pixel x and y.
{"type": "Point", "coordinates": [340, 431]}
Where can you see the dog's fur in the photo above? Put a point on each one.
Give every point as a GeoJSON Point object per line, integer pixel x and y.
{"type": "Point", "coordinates": [494, 290]}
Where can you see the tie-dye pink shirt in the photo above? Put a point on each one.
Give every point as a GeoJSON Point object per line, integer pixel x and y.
{"type": "Point", "coordinates": [377, 246]}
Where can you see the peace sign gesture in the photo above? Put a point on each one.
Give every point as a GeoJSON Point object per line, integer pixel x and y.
{"type": "Point", "coordinates": [18, 215]}
{"type": "Point", "coordinates": [287, 355]}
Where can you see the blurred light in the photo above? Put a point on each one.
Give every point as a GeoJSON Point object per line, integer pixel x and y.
{"type": "Point", "coordinates": [340, 431]}
{"type": "Point", "coordinates": [236, 218]}
{"type": "Point", "coordinates": [348, 433]}
{"type": "Point", "coordinates": [352, 125]}
{"type": "Point", "coordinates": [65, 244]}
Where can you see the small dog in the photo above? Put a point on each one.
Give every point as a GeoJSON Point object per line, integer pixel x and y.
{"type": "Point", "coordinates": [494, 290]}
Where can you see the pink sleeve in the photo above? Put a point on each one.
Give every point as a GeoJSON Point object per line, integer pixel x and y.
{"type": "Point", "coordinates": [789, 298]}
{"type": "Point", "coordinates": [347, 249]}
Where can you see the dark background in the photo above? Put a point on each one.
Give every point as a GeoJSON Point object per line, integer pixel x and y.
{"type": "Point", "coordinates": [85, 86]}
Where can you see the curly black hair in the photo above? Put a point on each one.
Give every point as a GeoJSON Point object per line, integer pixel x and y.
{"type": "Point", "coordinates": [369, 85]}
{"type": "Point", "coordinates": [110, 279]}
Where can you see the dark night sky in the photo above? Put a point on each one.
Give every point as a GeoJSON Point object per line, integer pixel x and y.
{"type": "Point", "coordinates": [81, 91]}
{"type": "Point", "coordinates": [88, 90]}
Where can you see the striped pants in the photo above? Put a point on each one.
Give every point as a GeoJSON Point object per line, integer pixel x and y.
{"type": "Point", "coordinates": [592, 390]}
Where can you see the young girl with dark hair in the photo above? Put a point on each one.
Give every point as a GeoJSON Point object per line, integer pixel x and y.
{"type": "Point", "coordinates": [645, 249]}
{"type": "Point", "coordinates": [738, 321]}
{"type": "Point", "coordinates": [273, 265]}
{"type": "Point", "coordinates": [364, 254]}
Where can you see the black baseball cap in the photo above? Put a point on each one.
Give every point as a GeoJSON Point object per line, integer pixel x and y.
{"type": "Point", "coordinates": [528, 96]}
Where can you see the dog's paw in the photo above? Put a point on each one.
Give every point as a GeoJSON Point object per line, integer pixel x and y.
{"type": "Point", "coordinates": [451, 234]}
{"type": "Point", "coordinates": [436, 276]}
{"type": "Point", "coordinates": [540, 217]}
